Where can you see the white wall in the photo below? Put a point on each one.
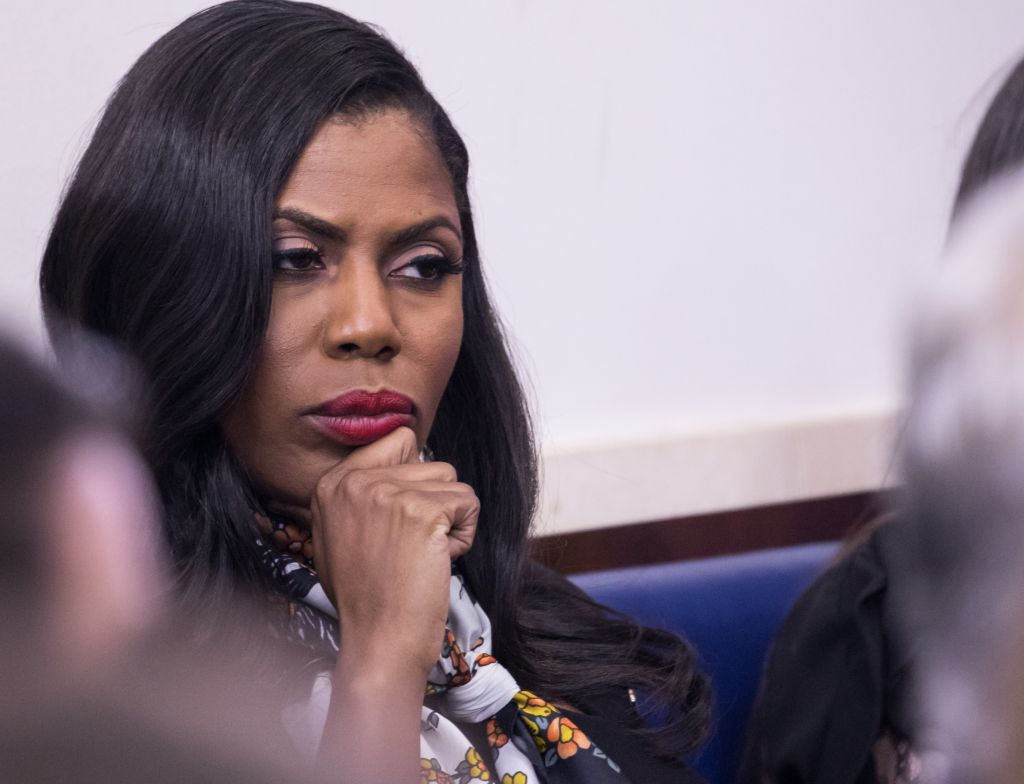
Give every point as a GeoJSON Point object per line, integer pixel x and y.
{"type": "Point", "coordinates": [701, 219]}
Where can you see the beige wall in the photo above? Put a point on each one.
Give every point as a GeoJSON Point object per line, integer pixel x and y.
{"type": "Point", "coordinates": [702, 220]}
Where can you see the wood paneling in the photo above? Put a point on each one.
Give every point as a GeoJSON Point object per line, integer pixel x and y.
{"type": "Point", "coordinates": [701, 536]}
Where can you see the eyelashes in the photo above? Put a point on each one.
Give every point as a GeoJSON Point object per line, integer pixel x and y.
{"type": "Point", "coordinates": [297, 259]}
{"type": "Point", "coordinates": [421, 269]}
{"type": "Point", "coordinates": [429, 267]}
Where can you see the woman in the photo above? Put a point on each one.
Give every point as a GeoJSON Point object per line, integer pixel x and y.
{"type": "Point", "coordinates": [68, 477]}
{"type": "Point", "coordinates": [835, 703]}
{"type": "Point", "coordinates": [273, 217]}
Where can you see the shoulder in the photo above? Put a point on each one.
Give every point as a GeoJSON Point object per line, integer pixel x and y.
{"type": "Point", "coordinates": [610, 720]}
{"type": "Point", "coordinates": [837, 626]}
{"type": "Point", "coordinates": [846, 598]}
{"type": "Point", "coordinates": [848, 608]}
{"type": "Point", "coordinates": [834, 656]}
{"type": "Point", "coordinates": [602, 644]}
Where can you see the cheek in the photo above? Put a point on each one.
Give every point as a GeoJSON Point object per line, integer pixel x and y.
{"type": "Point", "coordinates": [277, 366]}
{"type": "Point", "coordinates": [256, 426]}
{"type": "Point", "coordinates": [292, 333]}
{"type": "Point", "coordinates": [448, 348]}
{"type": "Point", "coordinates": [435, 345]}
{"type": "Point", "coordinates": [292, 341]}
{"type": "Point", "coordinates": [450, 343]}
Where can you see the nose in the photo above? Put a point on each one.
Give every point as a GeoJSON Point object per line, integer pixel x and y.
{"type": "Point", "coordinates": [361, 322]}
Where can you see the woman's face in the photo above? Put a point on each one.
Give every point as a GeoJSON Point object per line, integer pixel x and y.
{"type": "Point", "coordinates": [366, 316]}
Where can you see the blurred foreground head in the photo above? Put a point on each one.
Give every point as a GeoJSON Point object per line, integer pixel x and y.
{"type": "Point", "coordinates": [964, 468]}
{"type": "Point", "coordinates": [98, 682]}
{"type": "Point", "coordinates": [81, 570]}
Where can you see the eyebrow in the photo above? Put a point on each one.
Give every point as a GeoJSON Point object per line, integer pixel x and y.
{"type": "Point", "coordinates": [311, 223]}
{"type": "Point", "coordinates": [417, 230]}
{"type": "Point", "coordinates": [332, 232]}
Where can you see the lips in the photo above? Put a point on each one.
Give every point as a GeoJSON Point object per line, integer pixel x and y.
{"type": "Point", "coordinates": [361, 417]}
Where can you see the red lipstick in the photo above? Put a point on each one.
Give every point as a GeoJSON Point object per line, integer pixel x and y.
{"type": "Point", "coordinates": [360, 417]}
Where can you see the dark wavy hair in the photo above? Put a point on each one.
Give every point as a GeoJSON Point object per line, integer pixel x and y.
{"type": "Point", "coordinates": [163, 242]}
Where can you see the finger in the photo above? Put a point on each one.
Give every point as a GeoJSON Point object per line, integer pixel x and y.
{"type": "Point", "coordinates": [357, 482]}
{"type": "Point", "coordinates": [396, 448]}
{"type": "Point", "coordinates": [459, 510]}
{"type": "Point", "coordinates": [464, 524]}
{"type": "Point", "coordinates": [450, 507]}
{"type": "Point", "coordinates": [416, 472]}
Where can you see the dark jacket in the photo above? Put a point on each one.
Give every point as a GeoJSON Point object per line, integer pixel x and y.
{"type": "Point", "coordinates": [837, 677]}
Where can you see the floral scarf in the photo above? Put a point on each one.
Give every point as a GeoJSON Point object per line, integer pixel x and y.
{"type": "Point", "coordinates": [530, 740]}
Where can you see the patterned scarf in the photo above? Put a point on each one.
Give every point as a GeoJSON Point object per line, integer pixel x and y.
{"type": "Point", "coordinates": [530, 740]}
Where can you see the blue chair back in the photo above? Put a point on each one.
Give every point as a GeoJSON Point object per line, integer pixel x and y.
{"type": "Point", "coordinates": [729, 608]}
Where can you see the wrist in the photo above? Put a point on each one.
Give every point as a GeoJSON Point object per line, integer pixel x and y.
{"type": "Point", "coordinates": [373, 724]}
{"type": "Point", "coordinates": [383, 650]}
{"type": "Point", "coordinates": [366, 674]}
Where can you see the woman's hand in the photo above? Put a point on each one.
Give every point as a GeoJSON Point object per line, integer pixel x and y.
{"type": "Point", "coordinates": [385, 530]}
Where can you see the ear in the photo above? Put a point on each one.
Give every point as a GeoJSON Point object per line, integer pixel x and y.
{"type": "Point", "coordinates": [101, 528]}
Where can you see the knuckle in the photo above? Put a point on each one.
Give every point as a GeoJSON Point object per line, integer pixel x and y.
{"type": "Point", "coordinates": [379, 492]}
{"type": "Point", "coordinates": [351, 483]}
{"type": "Point", "coordinates": [463, 489]}
{"type": "Point", "coordinates": [446, 472]}
{"type": "Point", "coordinates": [325, 485]}
{"type": "Point", "coordinates": [420, 507]}
{"type": "Point", "coordinates": [411, 503]}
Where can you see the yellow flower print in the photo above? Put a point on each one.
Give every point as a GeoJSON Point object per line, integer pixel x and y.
{"type": "Point", "coordinates": [568, 736]}
{"type": "Point", "coordinates": [535, 733]}
{"type": "Point", "coordinates": [430, 770]}
{"type": "Point", "coordinates": [533, 712]}
{"type": "Point", "coordinates": [477, 769]}
{"type": "Point", "coordinates": [531, 704]}
{"type": "Point", "coordinates": [518, 778]}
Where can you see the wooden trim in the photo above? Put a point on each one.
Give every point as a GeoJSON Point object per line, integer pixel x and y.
{"type": "Point", "coordinates": [701, 536]}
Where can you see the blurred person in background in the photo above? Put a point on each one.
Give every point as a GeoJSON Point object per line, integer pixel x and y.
{"type": "Point", "coordinates": [960, 544]}
{"type": "Point", "coordinates": [96, 682]}
{"type": "Point", "coordinates": [273, 219]}
{"type": "Point", "coordinates": [834, 705]}
{"type": "Point", "coordinates": [82, 550]}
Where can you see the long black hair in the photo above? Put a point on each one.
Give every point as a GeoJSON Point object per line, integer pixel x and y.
{"type": "Point", "coordinates": [163, 242]}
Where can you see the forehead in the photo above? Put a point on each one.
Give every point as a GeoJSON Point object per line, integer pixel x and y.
{"type": "Point", "coordinates": [382, 167]}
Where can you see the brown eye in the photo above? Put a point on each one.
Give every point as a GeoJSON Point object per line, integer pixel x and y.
{"type": "Point", "coordinates": [427, 267]}
{"type": "Point", "coordinates": [298, 259]}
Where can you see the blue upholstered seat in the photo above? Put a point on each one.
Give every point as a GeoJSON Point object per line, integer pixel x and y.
{"type": "Point", "coordinates": [729, 607]}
